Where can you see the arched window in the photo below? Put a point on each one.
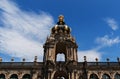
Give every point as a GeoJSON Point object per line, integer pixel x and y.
{"type": "Point", "coordinates": [117, 76]}
{"type": "Point", "coordinates": [105, 76]}
{"type": "Point", "coordinates": [60, 57]}
{"type": "Point", "coordinates": [93, 76]}
{"type": "Point", "coordinates": [26, 76]}
{"type": "Point", "coordinates": [60, 51]}
{"type": "Point", "coordinates": [2, 76]}
{"type": "Point", "coordinates": [14, 76]}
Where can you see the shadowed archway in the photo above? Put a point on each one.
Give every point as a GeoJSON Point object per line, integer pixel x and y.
{"type": "Point", "coordinates": [60, 75]}
{"type": "Point", "coordinates": [14, 76]}
{"type": "Point", "coordinates": [117, 76]}
{"type": "Point", "coordinates": [2, 76]}
{"type": "Point", "coordinates": [105, 76]}
{"type": "Point", "coordinates": [26, 76]}
{"type": "Point", "coordinates": [93, 76]}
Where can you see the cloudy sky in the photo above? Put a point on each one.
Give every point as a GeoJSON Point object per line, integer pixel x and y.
{"type": "Point", "coordinates": [25, 24]}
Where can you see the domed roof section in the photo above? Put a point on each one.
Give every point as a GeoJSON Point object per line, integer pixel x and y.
{"type": "Point", "coordinates": [60, 27]}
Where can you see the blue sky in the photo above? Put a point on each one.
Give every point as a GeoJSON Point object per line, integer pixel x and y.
{"type": "Point", "coordinates": [25, 24]}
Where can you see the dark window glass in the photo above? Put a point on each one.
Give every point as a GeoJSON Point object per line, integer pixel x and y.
{"type": "Point", "coordinates": [105, 76]}
{"type": "Point", "coordinates": [117, 76]}
{"type": "Point", "coordinates": [14, 76]}
{"type": "Point", "coordinates": [26, 76]}
{"type": "Point", "coordinates": [2, 76]}
{"type": "Point", "coordinates": [93, 76]}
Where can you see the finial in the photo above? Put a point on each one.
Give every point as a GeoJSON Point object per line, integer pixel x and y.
{"type": "Point", "coordinates": [35, 60]}
{"type": "Point", "coordinates": [12, 59]}
{"type": "Point", "coordinates": [23, 59]}
{"type": "Point", "coordinates": [118, 59]}
{"type": "Point", "coordinates": [107, 59]}
{"type": "Point", "coordinates": [85, 58]}
{"type": "Point", "coordinates": [61, 20]}
{"type": "Point", "coordinates": [96, 59]}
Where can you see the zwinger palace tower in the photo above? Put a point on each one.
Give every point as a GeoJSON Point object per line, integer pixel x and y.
{"type": "Point", "coordinates": [60, 41]}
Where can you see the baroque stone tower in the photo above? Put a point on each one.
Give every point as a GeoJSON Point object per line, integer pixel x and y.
{"type": "Point", "coordinates": [60, 41]}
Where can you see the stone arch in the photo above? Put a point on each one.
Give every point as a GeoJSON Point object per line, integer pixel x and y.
{"type": "Point", "coordinates": [116, 73]}
{"type": "Point", "coordinates": [60, 57]}
{"type": "Point", "coordinates": [26, 76]}
{"type": "Point", "coordinates": [93, 76]}
{"type": "Point", "coordinates": [60, 49]}
{"type": "Point", "coordinates": [60, 75]}
{"type": "Point", "coordinates": [93, 72]}
{"type": "Point", "coordinates": [25, 72]}
{"type": "Point", "coordinates": [106, 76]}
{"type": "Point", "coordinates": [2, 76]}
{"type": "Point", "coordinates": [9, 74]}
{"type": "Point", "coordinates": [14, 76]}
{"type": "Point", "coordinates": [117, 76]}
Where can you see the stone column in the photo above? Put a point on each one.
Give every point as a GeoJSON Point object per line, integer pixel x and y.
{"type": "Point", "coordinates": [7, 76]}
{"type": "Point", "coordinates": [20, 77]}
{"type": "Point", "coordinates": [70, 75]}
{"type": "Point", "coordinates": [72, 54]}
{"type": "Point", "coordinates": [112, 76]}
{"type": "Point", "coordinates": [75, 74]}
{"type": "Point", "coordinates": [47, 54]}
{"type": "Point", "coordinates": [88, 76]}
{"type": "Point", "coordinates": [68, 54]}
{"type": "Point", "coordinates": [49, 74]}
{"type": "Point", "coordinates": [34, 76]}
{"type": "Point", "coordinates": [100, 76]}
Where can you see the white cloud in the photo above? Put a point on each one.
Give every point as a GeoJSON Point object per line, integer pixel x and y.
{"type": "Point", "coordinates": [107, 41]}
{"type": "Point", "coordinates": [23, 33]}
{"type": "Point", "coordinates": [112, 23]}
{"type": "Point", "coordinates": [91, 55]}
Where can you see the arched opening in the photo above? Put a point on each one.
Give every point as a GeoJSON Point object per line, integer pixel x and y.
{"type": "Point", "coordinates": [14, 76]}
{"type": "Point", "coordinates": [26, 76]}
{"type": "Point", "coordinates": [105, 76]}
{"type": "Point", "coordinates": [93, 76]}
{"type": "Point", "coordinates": [60, 52]}
{"type": "Point", "coordinates": [60, 57]}
{"type": "Point", "coordinates": [2, 76]}
{"type": "Point", "coordinates": [60, 75]}
{"type": "Point", "coordinates": [117, 76]}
